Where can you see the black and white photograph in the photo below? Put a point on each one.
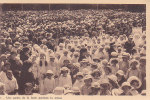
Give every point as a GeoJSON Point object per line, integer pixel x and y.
{"type": "Point", "coordinates": [73, 49]}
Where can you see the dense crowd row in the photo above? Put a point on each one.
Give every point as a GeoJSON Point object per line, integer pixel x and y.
{"type": "Point", "coordinates": [77, 52]}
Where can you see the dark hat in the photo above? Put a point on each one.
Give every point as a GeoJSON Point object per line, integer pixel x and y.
{"type": "Point", "coordinates": [25, 49]}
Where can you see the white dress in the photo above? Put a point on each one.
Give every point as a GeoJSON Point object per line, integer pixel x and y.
{"type": "Point", "coordinates": [65, 81]}
{"type": "Point", "coordinates": [49, 85]}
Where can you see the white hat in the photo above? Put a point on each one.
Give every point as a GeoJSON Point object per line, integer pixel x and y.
{"type": "Point", "coordinates": [104, 61]}
{"type": "Point", "coordinates": [61, 44]}
{"type": "Point", "coordinates": [77, 65]}
{"type": "Point", "coordinates": [88, 77]}
{"type": "Point", "coordinates": [115, 54]}
{"type": "Point", "coordinates": [52, 56]}
{"type": "Point", "coordinates": [113, 78]}
{"type": "Point", "coordinates": [116, 92]}
{"type": "Point", "coordinates": [120, 72]}
{"type": "Point", "coordinates": [125, 84]}
{"type": "Point", "coordinates": [49, 72]}
{"type": "Point", "coordinates": [64, 69]}
{"type": "Point", "coordinates": [79, 74]}
{"type": "Point", "coordinates": [130, 79]}
{"type": "Point", "coordinates": [85, 71]}
{"type": "Point", "coordinates": [85, 60]}
{"type": "Point", "coordinates": [96, 57]}
{"type": "Point", "coordinates": [17, 43]}
{"type": "Point", "coordinates": [104, 81]}
{"type": "Point", "coordinates": [65, 51]}
{"type": "Point", "coordinates": [76, 53]}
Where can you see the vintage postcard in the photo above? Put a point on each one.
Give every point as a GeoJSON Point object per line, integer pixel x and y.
{"type": "Point", "coordinates": [89, 49]}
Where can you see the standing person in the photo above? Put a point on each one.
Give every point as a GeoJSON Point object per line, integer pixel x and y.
{"type": "Point", "coordinates": [95, 88]}
{"type": "Point", "coordinates": [65, 78]}
{"type": "Point", "coordinates": [142, 68]}
{"type": "Point", "coordinates": [105, 87]}
{"type": "Point", "coordinates": [75, 57]}
{"type": "Point", "coordinates": [114, 65]}
{"type": "Point", "coordinates": [86, 88]}
{"type": "Point", "coordinates": [16, 65]}
{"type": "Point", "coordinates": [79, 80]}
{"type": "Point", "coordinates": [35, 69]}
{"type": "Point", "coordinates": [26, 76]}
{"type": "Point", "coordinates": [49, 82]}
{"type": "Point", "coordinates": [120, 77]}
{"type": "Point", "coordinates": [135, 83]}
{"type": "Point", "coordinates": [126, 88]}
{"type": "Point", "coordinates": [129, 45]}
{"type": "Point", "coordinates": [113, 82]}
{"type": "Point", "coordinates": [65, 56]}
{"type": "Point", "coordinates": [96, 74]}
{"type": "Point", "coordinates": [3, 60]}
{"type": "Point", "coordinates": [83, 53]}
{"type": "Point", "coordinates": [84, 64]}
{"type": "Point", "coordinates": [3, 76]}
{"type": "Point", "coordinates": [124, 63]}
{"type": "Point", "coordinates": [24, 54]}
{"type": "Point", "coordinates": [53, 65]}
{"type": "Point", "coordinates": [108, 72]}
{"type": "Point", "coordinates": [42, 65]}
{"type": "Point", "coordinates": [133, 71]}
{"type": "Point", "coordinates": [11, 85]}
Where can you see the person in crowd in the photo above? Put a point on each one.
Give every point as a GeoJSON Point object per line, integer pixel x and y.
{"type": "Point", "coordinates": [105, 87]}
{"type": "Point", "coordinates": [142, 68]}
{"type": "Point", "coordinates": [86, 88]}
{"type": "Point", "coordinates": [49, 82]}
{"type": "Point", "coordinates": [114, 65]}
{"type": "Point", "coordinates": [95, 89]}
{"type": "Point", "coordinates": [16, 65]}
{"type": "Point", "coordinates": [134, 70]}
{"type": "Point", "coordinates": [79, 80]}
{"type": "Point", "coordinates": [3, 60]}
{"type": "Point", "coordinates": [11, 85]}
{"type": "Point", "coordinates": [124, 62]}
{"type": "Point", "coordinates": [120, 77]}
{"type": "Point", "coordinates": [96, 74]}
{"type": "Point", "coordinates": [75, 57]}
{"type": "Point", "coordinates": [35, 69]}
{"type": "Point", "coordinates": [113, 82]}
{"type": "Point", "coordinates": [65, 78]}
{"type": "Point", "coordinates": [129, 45]}
{"type": "Point", "coordinates": [26, 76]}
{"type": "Point", "coordinates": [135, 82]}
{"type": "Point", "coordinates": [126, 88]}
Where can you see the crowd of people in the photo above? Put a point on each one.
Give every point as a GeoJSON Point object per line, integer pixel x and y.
{"type": "Point", "coordinates": [73, 52]}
